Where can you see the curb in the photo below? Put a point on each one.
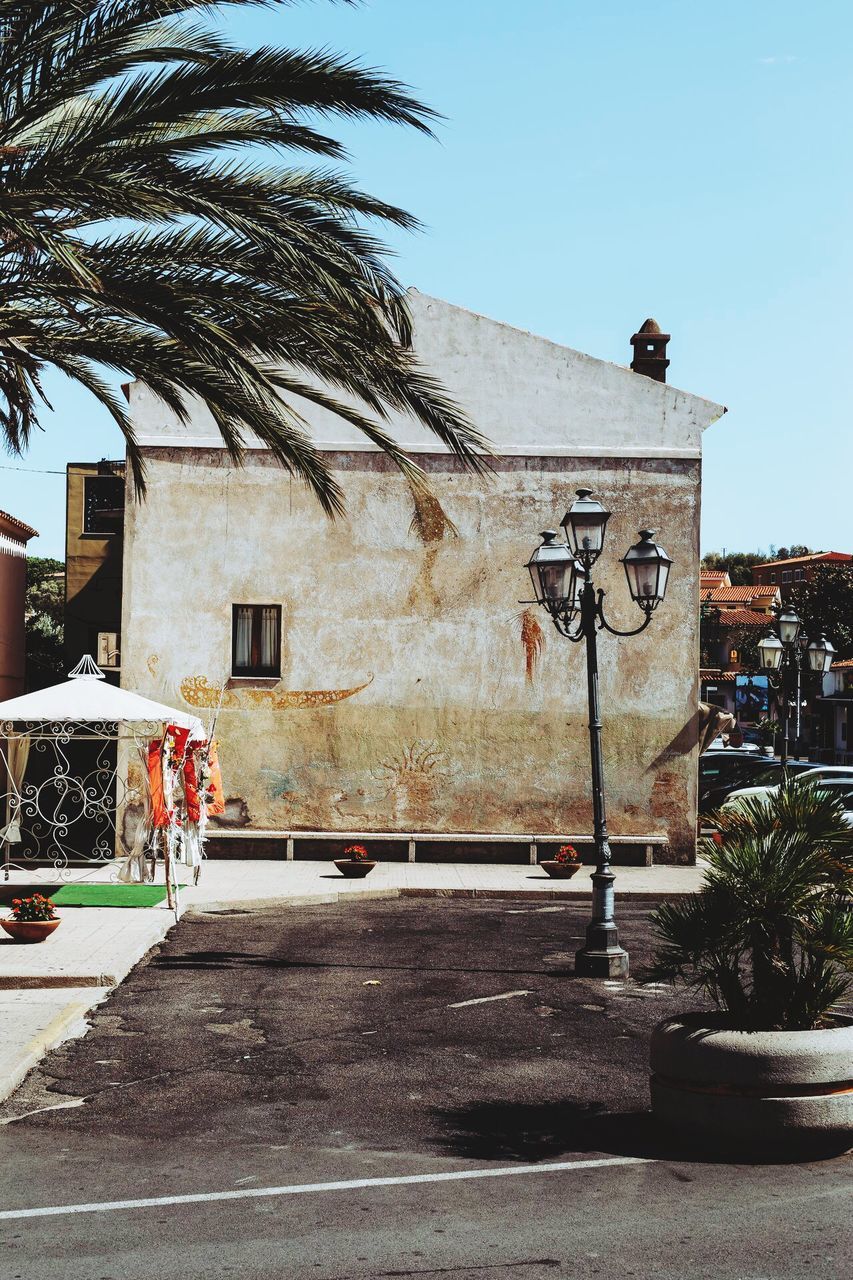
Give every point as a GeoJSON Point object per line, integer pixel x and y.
{"type": "Point", "coordinates": [231, 906]}
{"type": "Point", "coordinates": [69, 1024]}
{"type": "Point", "coordinates": [58, 980]}
{"type": "Point", "coordinates": [235, 907]}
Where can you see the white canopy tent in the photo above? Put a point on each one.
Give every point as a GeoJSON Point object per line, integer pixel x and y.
{"type": "Point", "coordinates": [86, 696]}
{"type": "Point", "coordinates": [54, 812]}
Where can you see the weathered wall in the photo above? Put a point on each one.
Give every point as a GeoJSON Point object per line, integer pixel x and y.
{"type": "Point", "coordinates": [14, 536]}
{"type": "Point", "coordinates": [93, 574]}
{"type": "Point", "coordinates": [415, 693]}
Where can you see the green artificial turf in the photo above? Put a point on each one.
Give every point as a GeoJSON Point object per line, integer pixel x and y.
{"type": "Point", "coordinates": [109, 895]}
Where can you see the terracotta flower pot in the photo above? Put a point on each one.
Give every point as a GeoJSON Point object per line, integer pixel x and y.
{"type": "Point", "coordinates": [560, 870]}
{"type": "Point", "coordinates": [352, 869]}
{"type": "Point", "coordinates": [29, 930]}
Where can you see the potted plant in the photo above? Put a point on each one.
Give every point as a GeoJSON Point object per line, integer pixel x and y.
{"type": "Point", "coordinates": [767, 730]}
{"type": "Point", "coordinates": [32, 919]}
{"type": "Point", "coordinates": [564, 864]}
{"type": "Point", "coordinates": [769, 939]}
{"type": "Point", "coordinates": [355, 863]}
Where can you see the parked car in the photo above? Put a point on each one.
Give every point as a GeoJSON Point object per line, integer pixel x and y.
{"type": "Point", "coordinates": [719, 745]}
{"type": "Point", "coordinates": [802, 773]}
{"type": "Point", "coordinates": [841, 789]}
{"type": "Point", "coordinates": [721, 772]}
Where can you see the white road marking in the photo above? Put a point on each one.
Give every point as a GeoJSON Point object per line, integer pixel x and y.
{"type": "Point", "coordinates": [301, 1188]}
{"type": "Point", "coordinates": [57, 1106]}
{"type": "Point", "coordinates": [507, 995]}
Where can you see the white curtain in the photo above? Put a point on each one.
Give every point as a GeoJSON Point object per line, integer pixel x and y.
{"type": "Point", "coordinates": [269, 635]}
{"type": "Point", "coordinates": [17, 754]}
{"type": "Point", "coordinates": [134, 868]}
{"type": "Point", "coordinates": [243, 637]}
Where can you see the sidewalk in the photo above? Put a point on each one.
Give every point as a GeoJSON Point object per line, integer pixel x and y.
{"type": "Point", "coordinates": [47, 990]}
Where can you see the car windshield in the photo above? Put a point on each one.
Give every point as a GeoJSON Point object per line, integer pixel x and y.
{"type": "Point", "coordinates": [768, 777]}
{"type": "Point", "coordinates": [840, 789]}
{"type": "Point", "coordinates": [824, 775]}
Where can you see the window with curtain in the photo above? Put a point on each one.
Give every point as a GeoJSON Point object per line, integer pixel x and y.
{"type": "Point", "coordinates": [256, 640]}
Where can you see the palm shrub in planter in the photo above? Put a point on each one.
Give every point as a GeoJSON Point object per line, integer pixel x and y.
{"type": "Point", "coordinates": [770, 940]}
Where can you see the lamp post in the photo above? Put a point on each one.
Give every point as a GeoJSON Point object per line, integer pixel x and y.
{"type": "Point", "coordinates": [562, 583]}
{"type": "Point", "coordinates": [788, 653]}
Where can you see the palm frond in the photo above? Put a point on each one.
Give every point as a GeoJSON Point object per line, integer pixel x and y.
{"type": "Point", "coordinates": [139, 232]}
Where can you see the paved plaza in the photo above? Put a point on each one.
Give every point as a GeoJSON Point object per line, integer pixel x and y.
{"type": "Point", "coordinates": [391, 1087]}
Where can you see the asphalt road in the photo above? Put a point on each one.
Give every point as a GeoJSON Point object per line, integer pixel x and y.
{"type": "Point", "coordinates": [254, 1054]}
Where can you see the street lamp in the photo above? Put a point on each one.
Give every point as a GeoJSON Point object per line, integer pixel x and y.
{"type": "Point", "coordinates": [790, 654]}
{"type": "Point", "coordinates": [562, 583]}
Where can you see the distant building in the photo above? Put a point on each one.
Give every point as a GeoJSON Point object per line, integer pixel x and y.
{"type": "Point", "coordinates": [14, 536]}
{"type": "Point", "coordinates": [757, 598]}
{"type": "Point", "coordinates": [787, 574]}
{"type": "Point", "coordinates": [834, 715]}
{"type": "Point", "coordinates": [94, 542]}
{"type": "Point", "coordinates": [710, 579]}
{"type": "Point", "coordinates": [728, 639]}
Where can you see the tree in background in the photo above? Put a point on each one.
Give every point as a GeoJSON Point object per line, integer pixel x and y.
{"type": "Point", "coordinates": [44, 619]}
{"type": "Point", "coordinates": [825, 604]}
{"type": "Point", "coordinates": [149, 225]}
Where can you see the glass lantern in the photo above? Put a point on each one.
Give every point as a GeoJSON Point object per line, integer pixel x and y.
{"type": "Point", "coordinates": [821, 653]}
{"type": "Point", "coordinates": [770, 652]}
{"type": "Point", "coordinates": [553, 572]}
{"type": "Point", "coordinates": [647, 569]}
{"type": "Point", "coordinates": [585, 523]}
{"type": "Point", "coordinates": [789, 625]}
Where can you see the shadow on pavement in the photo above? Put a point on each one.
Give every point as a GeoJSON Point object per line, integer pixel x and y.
{"type": "Point", "coordinates": [530, 1132]}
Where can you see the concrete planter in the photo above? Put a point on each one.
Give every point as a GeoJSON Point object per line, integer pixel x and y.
{"type": "Point", "coordinates": [776, 1088]}
{"type": "Point", "coordinates": [560, 870]}
{"type": "Point", "coordinates": [353, 869]}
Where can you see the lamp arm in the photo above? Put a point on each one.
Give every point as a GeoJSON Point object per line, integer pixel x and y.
{"type": "Point", "coordinates": [614, 631]}
{"type": "Point", "coordinates": [566, 631]}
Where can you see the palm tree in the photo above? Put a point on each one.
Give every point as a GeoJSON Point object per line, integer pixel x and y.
{"type": "Point", "coordinates": [769, 938]}
{"type": "Point", "coordinates": [149, 226]}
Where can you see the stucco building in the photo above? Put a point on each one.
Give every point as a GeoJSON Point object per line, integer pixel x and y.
{"type": "Point", "coordinates": [378, 674]}
{"type": "Point", "coordinates": [94, 536]}
{"type": "Point", "coordinates": [14, 536]}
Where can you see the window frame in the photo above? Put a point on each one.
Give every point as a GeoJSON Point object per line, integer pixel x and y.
{"type": "Point", "coordinates": [255, 672]}
{"type": "Point", "coordinates": [116, 525]}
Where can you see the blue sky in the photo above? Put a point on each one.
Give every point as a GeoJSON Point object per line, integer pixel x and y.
{"type": "Point", "coordinates": [600, 163]}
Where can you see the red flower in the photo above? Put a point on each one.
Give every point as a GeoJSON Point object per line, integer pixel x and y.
{"type": "Point", "coordinates": [357, 852]}
{"type": "Point", "coordinates": [567, 853]}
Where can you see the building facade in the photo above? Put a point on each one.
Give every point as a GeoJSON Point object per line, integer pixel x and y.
{"type": "Point", "coordinates": [788, 574]}
{"type": "Point", "coordinates": [382, 673]}
{"type": "Point", "coordinates": [94, 541]}
{"type": "Point", "coordinates": [14, 536]}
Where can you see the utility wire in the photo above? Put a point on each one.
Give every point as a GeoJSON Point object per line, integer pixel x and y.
{"type": "Point", "coordinates": [42, 471]}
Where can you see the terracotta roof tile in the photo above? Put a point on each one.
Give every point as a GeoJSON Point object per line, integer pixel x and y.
{"type": "Point", "coordinates": [739, 595]}
{"type": "Point", "coordinates": [814, 555]}
{"type": "Point", "coordinates": [26, 529]}
{"type": "Point", "coordinates": [743, 618]}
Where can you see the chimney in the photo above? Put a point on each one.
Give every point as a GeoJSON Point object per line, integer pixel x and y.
{"type": "Point", "coordinates": [650, 351]}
